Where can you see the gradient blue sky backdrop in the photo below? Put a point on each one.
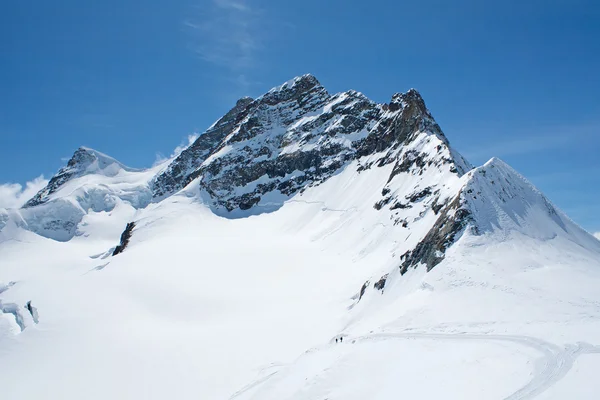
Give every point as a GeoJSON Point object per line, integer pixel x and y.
{"type": "Point", "coordinates": [132, 78]}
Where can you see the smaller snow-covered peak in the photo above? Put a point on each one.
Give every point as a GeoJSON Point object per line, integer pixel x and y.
{"type": "Point", "coordinates": [502, 201]}
{"type": "Point", "coordinates": [93, 161]}
{"type": "Point", "coordinates": [498, 166]}
{"type": "Point", "coordinates": [85, 161]}
{"type": "Point", "coordinates": [498, 182]}
{"type": "Point", "coordinates": [496, 202]}
{"type": "Point", "coordinates": [83, 156]}
{"type": "Point", "coordinates": [495, 161]}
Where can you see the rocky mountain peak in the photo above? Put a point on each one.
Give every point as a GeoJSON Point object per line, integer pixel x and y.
{"type": "Point", "coordinates": [85, 158]}
{"type": "Point", "coordinates": [84, 161]}
{"type": "Point", "coordinates": [409, 114]}
{"type": "Point", "coordinates": [178, 174]}
{"type": "Point", "coordinates": [82, 158]}
{"type": "Point", "coordinates": [296, 136]}
{"type": "Point", "coordinates": [302, 82]}
{"type": "Point", "coordinates": [243, 102]}
{"type": "Point", "coordinates": [298, 89]}
{"type": "Point", "coordinates": [411, 100]}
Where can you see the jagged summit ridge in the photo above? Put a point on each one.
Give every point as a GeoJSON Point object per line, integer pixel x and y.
{"type": "Point", "coordinates": [412, 96]}
{"type": "Point", "coordinates": [179, 173]}
{"type": "Point", "coordinates": [261, 153]}
{"type": "Point", "coordinates": [295, 136]}
{"type": "Point", "coordinates": [301, 86]}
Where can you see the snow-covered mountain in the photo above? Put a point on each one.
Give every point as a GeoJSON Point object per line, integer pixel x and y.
{"type": "Point", "coordinates": [297, 135]}
{"type": "Point", "coordinates": [90, 182]}
{"type": "Point", "coordinates": [299, 218]}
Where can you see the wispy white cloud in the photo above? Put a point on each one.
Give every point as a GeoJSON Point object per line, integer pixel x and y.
{"type": "Point", "coordinates": [160, 158]}
{"type": "Point", "coordinates": [236, 5]}
{"type": "Point", "coordinates": [14, 195]}
{"type": "Point", "coordinates": [597, 234]}
{"type": "Point", "coordinates": [227, 33]}
{"type": "Point", "coordinates": [182, 146]}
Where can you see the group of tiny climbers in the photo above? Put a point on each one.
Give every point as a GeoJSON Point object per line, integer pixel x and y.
{"type": "Point", "coordinates": [341, 339]}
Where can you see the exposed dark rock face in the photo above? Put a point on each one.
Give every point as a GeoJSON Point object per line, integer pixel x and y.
{"type": "Point", "coordinates": [431, 250]}
{"type": "Point", "coordinates": [406, 114]}
{"type": "Point", "coordinates": [399, 205]}
{"type": "Point", "coordinates": [363, 289]}
{"type": "Point", "coordinates": [380, 284]}
{"type": "Point", "coordinates": [177, 175]}
{"type": "Point", "coordinates": [383, 202]}
{"type": "Point", "coordinates": [33, 311]}
{"type": "Point", "coordinates": [418, 196]}
{"type": "Point", "coordinates": [295, 136]}
{"type": "Point", "coordinates": [125, 237]}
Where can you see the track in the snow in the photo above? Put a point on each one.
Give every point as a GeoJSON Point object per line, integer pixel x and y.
{"type": "Point", "coordinates": [555, 363]}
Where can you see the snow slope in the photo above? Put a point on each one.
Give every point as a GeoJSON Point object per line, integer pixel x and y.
{"type": "Point", "coordinates": [91, 182]}
{"type": "Point", "coordinates": [443, 281]}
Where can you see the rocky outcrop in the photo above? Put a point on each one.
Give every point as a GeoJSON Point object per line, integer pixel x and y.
{"type": "Point", "coordinates": [125, 237]}
{"type": "Point", "coordinates": [33, 311]}
{"type": "Point", "coordinates": [363, 289]}
{"type": "Point", "coordinates": [178, 173]}
{"type": "Point", "coordinates": [295, 136]}
{"type": "Point", "coordinates": [380, 284]}
{"type": "Point", "coordinates": [431, 250]}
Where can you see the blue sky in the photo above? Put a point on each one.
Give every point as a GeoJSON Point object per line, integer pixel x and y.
{"type": "Point", "coordinates": [133, 78]}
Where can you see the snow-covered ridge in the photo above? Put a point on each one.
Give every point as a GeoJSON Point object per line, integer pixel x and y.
{"type": "Point", "coordinates": [85, 161]}
{"type": "Point", "coordinates": [502, 201]}
{"type": "Point", "coordinates": [268, 150]}
{"type": "Point", "coordinates": [496, 201]}
{"type": "Point", "coordinates": [91, 182]}
{"type": "Point", "coordinates": [358, 247]}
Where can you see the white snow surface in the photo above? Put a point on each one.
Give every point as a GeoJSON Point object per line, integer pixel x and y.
{"type": "Point", "coordinates": [285, 301]}
{"type": "Point", "coordinates": [203, 307]}
{"type": "Point", "coordinates": [104, 185]}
